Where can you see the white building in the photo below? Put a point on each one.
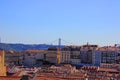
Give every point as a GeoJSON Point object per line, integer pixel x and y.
{"type": "Point", "coordinates": [90, 55]}
{"type": "Point", "coordinates": [75, 57]}
{"type": "Point", "coordinates": [65, 57]}
{"type": "Point", "coordinates": [97, 58]}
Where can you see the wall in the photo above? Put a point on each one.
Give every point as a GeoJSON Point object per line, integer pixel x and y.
{"type": "Point", "coordinates": [2, 64]}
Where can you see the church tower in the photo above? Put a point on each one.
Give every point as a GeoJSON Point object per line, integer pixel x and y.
{"type": "Point", "coordinates": [2, 63]}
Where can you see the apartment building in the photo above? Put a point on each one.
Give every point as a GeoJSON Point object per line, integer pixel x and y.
{"type": "Point", "coordinates": [68, 54]}
{"type": "Point", "coordinates": [12, 57]}
{"type": "Point", "coordinates": [109, 54]}
{"type": "Point", "coordinates": [84, 55]}
{"type": "Point", "coordinates": [65, 55]}
{"type": "Point", "coordinates": [33, 57]}
{"type": "Point", "coordinates": [75, 55]}
{"type": "Point", "coordinates": [89, 54]}
{"type": "Point", "coordinates": [53, 55]}
{"type": "Point", "coordinates": [118, 57]}
{"type": "Point", "coordinates": [57, 55]}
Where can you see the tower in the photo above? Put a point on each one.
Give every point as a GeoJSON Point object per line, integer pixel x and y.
{"type": "Point", "coordinates": [2, 64]}
{"type": "Point", "coordinates": [59, 42]}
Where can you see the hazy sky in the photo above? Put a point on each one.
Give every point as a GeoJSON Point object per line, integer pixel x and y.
{"type": "Point", "coordinates": [75, 21]}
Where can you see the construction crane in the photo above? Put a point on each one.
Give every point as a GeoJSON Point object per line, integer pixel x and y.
{"type": "Point", "coordinates": [59, 52]}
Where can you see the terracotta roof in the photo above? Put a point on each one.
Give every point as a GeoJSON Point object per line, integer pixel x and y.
{"type": "Point", "coordinates": [45, 78]}
{"type": "Point", "coordinates": [107, 70]}
{"type": "Point", "coordinates": [34, 51]}
{"type": "Point", "coordinates": [89, 68]}
{"type": "Point", "coordinates": [39, 78]}
{"type": "Point", "coordinates": [10, 78]}
{"type": "Point", "coordinates": [109, 48]}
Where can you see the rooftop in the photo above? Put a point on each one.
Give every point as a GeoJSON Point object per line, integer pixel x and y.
{"type": "Point", "coordinates": [35, 51]}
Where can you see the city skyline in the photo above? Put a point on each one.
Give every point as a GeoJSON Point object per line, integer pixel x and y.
{"type": "Point", "coordinates": [78, 22]}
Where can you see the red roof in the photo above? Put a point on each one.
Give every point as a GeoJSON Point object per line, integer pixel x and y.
{"type": "Point", "coordinates": [35, 51]}
{"type": "Point", "coordinates": [89, 68]}
{"type": "Point", "coordinates": [9, 78]}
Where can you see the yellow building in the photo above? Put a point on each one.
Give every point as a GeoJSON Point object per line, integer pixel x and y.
{"type": "Point", "coordinates": [63, 55]}
{"type": "Point", "coordinates": [2, 64]}
{"type": "Point", "coordinates": [53, 55]}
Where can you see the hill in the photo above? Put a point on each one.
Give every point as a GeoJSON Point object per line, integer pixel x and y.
{"type": "Point", "coordinates": [21, 47]}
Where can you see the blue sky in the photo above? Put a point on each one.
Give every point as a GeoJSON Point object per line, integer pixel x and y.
{"type": "Point", "coordinates": [75, 21]}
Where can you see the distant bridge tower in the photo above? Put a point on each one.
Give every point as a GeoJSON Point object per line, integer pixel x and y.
{"type": "Point", "coordinates": [59, 42]}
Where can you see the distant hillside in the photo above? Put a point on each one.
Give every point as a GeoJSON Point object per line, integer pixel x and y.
{"type": "Point", "coordinates": [21, 47]}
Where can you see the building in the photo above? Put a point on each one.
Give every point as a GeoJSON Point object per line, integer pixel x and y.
{"type": "Point", "coordinates": [75, 55]}
{"type": "Point", "coordinates": [2, 64]}
{"type": "Point", "coordinates": [89, 54]}
{"type": "Point", "coordinates": [110, 57]}
{"type": "Point", "coordinates": [53, 55]}
{"type": "Point", "coordinates": [97, 58]}
{"type": "Point", "coordinates": [12, 57]}
{"type": "Point", "coordinates": [21, 57]}
{"type": "Point", "coordinates": [68, 54]}
{"type": "Point", "coordinates": [85, 55]}
{"type": "Point", "coordinates": [118, 57]}
{"type": "Point", "coordinates": [108, 54]}
{"type": "Point", "coordinates": [65, 55]}
{"type": "Point", "coordinates": [33, 57]}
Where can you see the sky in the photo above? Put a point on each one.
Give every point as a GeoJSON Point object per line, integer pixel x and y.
{"type": "Point", "coordinates": [76, 22]}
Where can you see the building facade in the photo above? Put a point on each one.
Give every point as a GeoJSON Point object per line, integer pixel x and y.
{"type": "Point", "coordinates": [53, 55]}
{"type": "Point", "coordinates": [68, 54]}
{"type": "Point", "coordinates": [109, 54]}
{"type": "Point", "coordinates": [89, 54]}
{"type": "Point", "coordinates": [12, 57]}
{"type": "Point", "coordinates": [118, 57]}
{"type": "Point", "coordinates": [75, 55]}
{"type": "Point", "coordinates": [2, 63]}
{"type": "Point", "coordinates": [33, 57]}
{"type": "Point", "coordinates": [108, 57]}
{"type": "Point", "coordinates": [65, 56]}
